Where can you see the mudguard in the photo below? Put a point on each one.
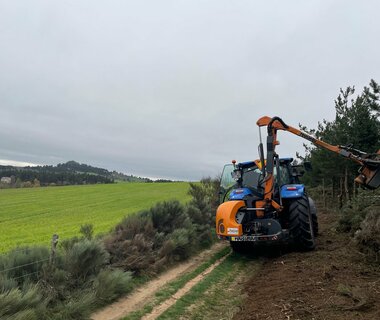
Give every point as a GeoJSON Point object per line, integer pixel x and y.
{"type": "Point", "coordinates": [313, 208]}
{"type": "Point", "coordinates": [291, 191]}
{"type": "Point", "coordinates": [226, 224]}
{"type": "Point", "coordinates": [240, 194]}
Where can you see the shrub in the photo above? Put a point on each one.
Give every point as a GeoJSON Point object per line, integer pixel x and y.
{"type": "Point", "coordinates": [131, 243]}
{"type": "Point", "coordinates": [67, 244]}
{"type": "Point", "coordinates": [21, 303]}
{"type": "Point", "coordinates": [24, 263]}
{"type": "Point", "coordinates": [355, 211]}
{"type": "Point", "coordinates": [78, 306]}
{"type": "Point", "coordinates": [135, 224]}
{"type": "Point", "coordinates": [205, 198]}
{"type": "Point", "coordinates": [111, 284]}
{"type": "Point", "coordinates": [183, 243]}
{"type": "Point", "coordinates": [138, 254]}
{"type": "Point", "coordinates": [368, 237]}
{"type": "Point", "coordinates": [84, 259]}
{"type": "Point", "coordinates": [87, 231]}
{"type": "Point", "coordinates": [168, 216]}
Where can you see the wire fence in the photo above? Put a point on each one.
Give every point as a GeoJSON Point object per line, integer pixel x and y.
{"type": "Point", "coordinates": [23, 265]}
{"type": "Point", "coordinates": [38, 262]}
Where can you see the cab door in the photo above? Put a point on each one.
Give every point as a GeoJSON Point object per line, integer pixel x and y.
{"type": "Point", "coordinates": [226, 182]}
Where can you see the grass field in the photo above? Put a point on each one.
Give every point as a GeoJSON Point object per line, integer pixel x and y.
{"type": "Point", "coordinates": [33, 215]}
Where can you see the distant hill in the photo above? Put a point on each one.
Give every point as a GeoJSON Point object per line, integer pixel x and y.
{"type": "Point", "coordinates": [69, 173]}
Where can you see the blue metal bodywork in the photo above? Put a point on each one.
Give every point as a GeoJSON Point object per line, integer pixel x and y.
{"type": "Point", "coordinates": [239, 194]}
{"type": "Point", "coordinates": [289, 191]}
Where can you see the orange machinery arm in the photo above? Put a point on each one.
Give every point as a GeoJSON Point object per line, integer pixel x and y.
{"type": "Point", "coordinates": [370, 164]}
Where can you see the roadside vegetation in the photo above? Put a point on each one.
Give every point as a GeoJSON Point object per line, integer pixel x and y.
{"type": "Point", "coordinates": [85, 273]}
{"type": "Point", "coordinates": [356, 124]}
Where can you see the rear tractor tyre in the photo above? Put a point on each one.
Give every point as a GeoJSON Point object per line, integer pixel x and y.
{"type": "Point", "coordinates": [301, 224]}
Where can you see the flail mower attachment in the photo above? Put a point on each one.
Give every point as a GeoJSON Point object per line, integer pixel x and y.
{"type": "Point", "coordinates": [369, 173]}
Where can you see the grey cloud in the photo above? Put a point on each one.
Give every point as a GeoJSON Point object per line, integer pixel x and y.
{"type": "Point", "coordinates": [173, 88]}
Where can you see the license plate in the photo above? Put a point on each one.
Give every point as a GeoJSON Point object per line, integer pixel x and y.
{"type": "Point", "coordinates": [256, 238]}
{"type": "Point", "coordinates": [245, 238]}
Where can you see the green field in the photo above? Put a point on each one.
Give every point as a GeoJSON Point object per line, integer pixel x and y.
{"type": "Point", "coordinates": [33, 215]}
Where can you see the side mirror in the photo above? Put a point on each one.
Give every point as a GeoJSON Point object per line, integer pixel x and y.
{"type": "Point", "coordinates": [307, 166]}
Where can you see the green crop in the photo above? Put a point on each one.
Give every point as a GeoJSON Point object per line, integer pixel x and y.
{"type": "Point", "coordinates": [33, 215]}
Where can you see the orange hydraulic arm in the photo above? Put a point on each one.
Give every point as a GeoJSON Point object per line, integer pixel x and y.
{"type": "Point", "coordinates": [370, 163]}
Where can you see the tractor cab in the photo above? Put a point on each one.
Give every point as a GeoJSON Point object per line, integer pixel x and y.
{"type": "Point", "coordinates": [245, 180]}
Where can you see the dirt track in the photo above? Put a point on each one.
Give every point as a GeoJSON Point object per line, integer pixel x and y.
{"type": "Point", "coordinates": [331, 282]}
{"type": "Point", "coordinates": [138, 298]}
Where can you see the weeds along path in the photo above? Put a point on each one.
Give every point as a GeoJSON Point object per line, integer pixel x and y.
{"type": "Point", "coordinates": [217, 295]}
{"type": "Point", "coordinates": [137, 299]}
{"type": "Point", "coordinates": [161, 308]}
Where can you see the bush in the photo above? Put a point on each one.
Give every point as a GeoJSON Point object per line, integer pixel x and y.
{"type": "Point", "coordinates": [368, 237]}
{"type": "Point", "coordinates": [355, 211]}
{"type": "Point", "coordinates": [111, 284]}
{"type": "Point", "coordinates": [146, 242]}
{"type": "Point", "coordinates": [25, 263]}
{"type": "Point", "coordinates": [131, 243]}
{"type": "Point", "coordinates": [78, 306]}
{"type": "Point", "coordinates": [168, 216]}
{"type": "Point", "coordinates": [205, 200]}
{"type": "Point", "coordinates": [87, 231]}
{"type": "Point", "coordinates": [24, 303]}
{"type": "Point", "coordinates": [84, 259]}
{"type": "Point", "coordinates": [183, 243]}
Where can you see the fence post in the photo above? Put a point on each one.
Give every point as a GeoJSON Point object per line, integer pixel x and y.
{"type": "Point", "coordinates": [54, 242]}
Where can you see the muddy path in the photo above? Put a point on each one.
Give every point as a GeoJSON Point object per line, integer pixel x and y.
{"type": "Point", "coordinates": [139, 297]}
{"type": "Point", "coordinates": [332, 282]}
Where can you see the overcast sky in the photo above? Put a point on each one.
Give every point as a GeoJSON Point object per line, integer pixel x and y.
{"type": "Point", "coordinates": [173, 88]}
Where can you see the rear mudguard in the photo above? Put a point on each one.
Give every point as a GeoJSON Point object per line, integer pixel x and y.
{"type": "Point", "coordinates": [291, 191]}
{"type": "Point", "coordinates": [313, 208]}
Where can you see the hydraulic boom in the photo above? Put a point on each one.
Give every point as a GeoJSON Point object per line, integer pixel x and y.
{"type": "Point", "coordinates": [369, 173]}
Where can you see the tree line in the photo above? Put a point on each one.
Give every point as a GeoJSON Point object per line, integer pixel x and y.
{"type": "Point", "coordinates": [356, 125]}
{"type": "Point", "coordinates": [69, 173]}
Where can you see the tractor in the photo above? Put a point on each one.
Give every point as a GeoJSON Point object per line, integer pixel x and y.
{"type": "Point", "coordinates": [263, 201]}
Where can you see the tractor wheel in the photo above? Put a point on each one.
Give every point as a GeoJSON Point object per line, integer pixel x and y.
{"type": "Point", "coordinates": [301, 224]}
{"type": "Point", "coordinates": [314, 217]}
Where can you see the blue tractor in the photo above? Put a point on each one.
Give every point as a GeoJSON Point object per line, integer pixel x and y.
{"type": "Point", "coordinates": [263, 201]}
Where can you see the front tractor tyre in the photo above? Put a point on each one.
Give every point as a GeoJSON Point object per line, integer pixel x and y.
{"type": "Point", "coordinates": [301, 224]}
